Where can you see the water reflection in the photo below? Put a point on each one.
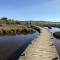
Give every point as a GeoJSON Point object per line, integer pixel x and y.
{"type": "Point", "coordinates": [57, 41]}
{"type": "Point", "coordinates": [10, 45]}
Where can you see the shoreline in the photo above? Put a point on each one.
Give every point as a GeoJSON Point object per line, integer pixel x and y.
{"type": "Point", "coordinates": [41, 48]}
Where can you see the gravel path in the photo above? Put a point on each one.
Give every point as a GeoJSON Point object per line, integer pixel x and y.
{"type": "Point", "coordinates": [42, 48]}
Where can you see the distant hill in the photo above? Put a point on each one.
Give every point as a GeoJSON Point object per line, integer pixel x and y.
{"type": "Point", "coordinates": [40, 22]}
{"type": "Point", "coordinates": [10, 21]}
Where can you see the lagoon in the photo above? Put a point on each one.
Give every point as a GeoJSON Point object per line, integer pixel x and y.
{"type": "Point", "coordinates": [11, 47]}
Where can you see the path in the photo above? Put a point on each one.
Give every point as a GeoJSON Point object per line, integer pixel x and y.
{"type": "Point", "coordinates": [42, 48]}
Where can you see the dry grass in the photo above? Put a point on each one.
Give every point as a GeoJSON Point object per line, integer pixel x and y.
{"type": "Point", "coordinates": [15, 29]}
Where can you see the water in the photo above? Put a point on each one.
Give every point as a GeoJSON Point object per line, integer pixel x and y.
{"type": "Point", "coordinates": [12, 46]}
{"type": "Point", "coordinates": [57, 41]}
{"type": "Point", "coordinates": [54, 29]}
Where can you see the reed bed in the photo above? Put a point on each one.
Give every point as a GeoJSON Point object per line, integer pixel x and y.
{"type": "Point", "coordinates": [15, 29]}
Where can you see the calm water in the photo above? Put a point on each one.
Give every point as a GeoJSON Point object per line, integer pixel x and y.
{"type": "Point", "coordinates": [12, 46]}
{"type": "Point", "coordinates": [54, 29]}
{"type": "Point", "coordinates": [57, 41]}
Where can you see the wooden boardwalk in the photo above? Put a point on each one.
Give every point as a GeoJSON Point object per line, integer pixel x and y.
{"type": "Point", "coordinates": [42, 48]}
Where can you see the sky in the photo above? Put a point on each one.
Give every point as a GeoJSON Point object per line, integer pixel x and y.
{"type": "Point", "coordinates": [40, 10]}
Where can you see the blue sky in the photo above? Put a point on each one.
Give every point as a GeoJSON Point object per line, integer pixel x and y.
{"type": "Point", "coordinates": [41, 10]}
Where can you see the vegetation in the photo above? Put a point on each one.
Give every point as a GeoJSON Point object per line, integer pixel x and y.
{"type": "Point", "coordinates": [5, 20]}
{"type": "Point", "coordinates": [15, 29]}
{"type": "Point", "coordinates": [56, 35]}
{"type": "Point", "coordinates": [45, 24]}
